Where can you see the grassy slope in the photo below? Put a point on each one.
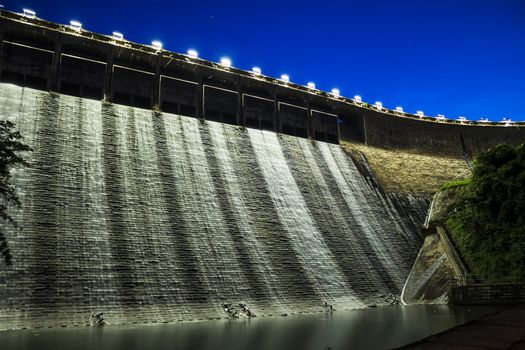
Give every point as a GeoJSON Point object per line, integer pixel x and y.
{"type": "Point", "coordinates": [410, 172]}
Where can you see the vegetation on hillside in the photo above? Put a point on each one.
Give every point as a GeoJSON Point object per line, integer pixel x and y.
{"type": "Point", "coordinates": [487, 221]}
{"type": "Point", "coordinates": [10, 146]}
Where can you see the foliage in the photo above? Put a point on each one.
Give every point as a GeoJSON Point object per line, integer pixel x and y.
{"type": "Point", "coordinates": [455, 183]}
{"type": "Point", "coordinates": [488, 219]}
{"type": "Point", "coordinates": [10, 145]}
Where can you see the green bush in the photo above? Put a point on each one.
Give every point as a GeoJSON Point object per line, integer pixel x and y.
{"type": "Point", "coordinates": [453, 184]}
{"type": "Point", "coordinates": [487, 220]}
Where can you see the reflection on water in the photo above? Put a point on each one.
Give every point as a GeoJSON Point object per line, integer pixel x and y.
{"type": "Point", "coordinates": [380, 328]}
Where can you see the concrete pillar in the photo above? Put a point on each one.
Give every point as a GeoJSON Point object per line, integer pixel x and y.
{"type": "Point", "coordinates": [336, 112]}
{"type": "Point", "coordinates": [2, 34]}
{"type": "Point", "coordinates": [239, 115]}
{"type": "Point", "coordinates": [199, 108]}
{"type": "Point", "coordinates": [365, 141]}
{"type": "Point", "coordinates": [276, 127]}
{"type": "Point", "coordinates": [155, 94]}
{"type": "Point", "coordinates": [309, 128]}
{"type": "Point", "coordinates": [108, 77]}
{"type": "Point", "coordinates": [54, 79]}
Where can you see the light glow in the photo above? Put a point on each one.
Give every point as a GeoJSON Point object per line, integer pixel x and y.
{"type": "Point", "coordinates": [399, 109]}
{"type": "Point", "coordinates": [75, 25]}
{"type": "Point", "coordinates": [484, 120]}
{"type": "Point", "coordinates": [336, 92]}
{"type": "Point", "coordinates": [506, 121]}
{"type": "Point", "coordinates": [157, 45]}
{"type": "Point", "coordinates": [256, 71]}
{"type": "Point", "coordinates": [462, 119]}
{"type": "Point", "coordinates": [440, 117]}
{"type": "Point", "coordinates": [285, 78]}
{"type": "Point", "coordinates": [192, 53]}
{"type": "Point", "coordinates": [421, 114]}
{"type": "Point", "coordinates": [358, 98]}
{"type": "Point", "coordinates": [29, 13]}
{"type": "Point", "coordinates": [226, 62]}
{"type": "Point", "coordinates": [379, 105]}
{"type": "Point", "coordinates": [311, 85]}
{"type": "Point", "coordinates": [118, 36]}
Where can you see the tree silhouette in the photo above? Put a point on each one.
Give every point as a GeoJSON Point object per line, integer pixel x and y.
{"type": "Point", "coordinates": [10, 146]}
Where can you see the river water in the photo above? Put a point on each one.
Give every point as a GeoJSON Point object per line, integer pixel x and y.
{"type": "Point", "coordinates": [371, 328]}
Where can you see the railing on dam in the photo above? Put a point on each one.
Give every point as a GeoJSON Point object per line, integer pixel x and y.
{"type": "Point", "coordinates": [49, 56]}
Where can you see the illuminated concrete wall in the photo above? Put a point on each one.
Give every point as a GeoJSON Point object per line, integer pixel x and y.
{"type": "Point", "coordinates": [153, 217]}
{"type": "Point", "coordinates": [393, 132]}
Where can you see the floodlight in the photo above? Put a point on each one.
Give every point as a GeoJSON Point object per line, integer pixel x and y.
{"type": "Point", "coordinates": [29, 13]}
{"type": "Point", "coordinates": [285, 78]}
{"type": "Point", "coordinates": [462, 119]}
{"type": "Point", "coordinates": [311, 85]}
{"type": "Point", "coordinates": [335, 92]}
{"type": "Point", "coordinates": [157, 45]}
{"type": "Point", "coordinates": [226, 62]}
{"type": "Point", "coordinates": [192, 53]}
{"type": "Point", "coordinates": [484, 120]}
{"type": "Point", "coordinates": [75, 25]}
{"type": "Point", "coordinates": [440, 117]}
{"type": "Point", "coordinates": [379, 105]}
{"type": "Point", "coordinates": [118, 36]}
{"type": "Point", "coordinates": [399, 109]}
{"type": "Point", "coordinates": [420, 114]}
{"type": "Point", "coordinates": [256, 71]}
{"type": "Point", "coordinates": [358, 98]}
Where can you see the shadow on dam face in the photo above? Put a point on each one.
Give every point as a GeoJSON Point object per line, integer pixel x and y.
{"type": "Point", "coordinates": [152, 217]}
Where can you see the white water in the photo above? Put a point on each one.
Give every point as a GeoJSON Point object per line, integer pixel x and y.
{"type": "Point", "coordinates": [155, 217]}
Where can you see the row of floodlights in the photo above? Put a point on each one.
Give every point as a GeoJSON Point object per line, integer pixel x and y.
{"type": "Point", "coordinates": [256, 71]}
{"type": "Point", "coordinates": [192, 53]}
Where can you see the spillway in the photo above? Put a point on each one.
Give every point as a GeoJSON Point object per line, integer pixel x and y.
{"type": "Point", "coordinates": [155, 217]}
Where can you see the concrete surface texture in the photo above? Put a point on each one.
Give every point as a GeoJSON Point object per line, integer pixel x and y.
{"type": "Point", "coordinates": [152, 217]}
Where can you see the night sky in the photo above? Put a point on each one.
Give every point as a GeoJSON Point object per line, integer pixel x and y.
{"type": "Point", "coordinates": [450, 57]}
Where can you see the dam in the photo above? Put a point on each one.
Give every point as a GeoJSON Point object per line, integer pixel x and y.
{"type": "Point", "coordinates": [168, 190]}
{"type": "Point", "coordinates": [160, 217]}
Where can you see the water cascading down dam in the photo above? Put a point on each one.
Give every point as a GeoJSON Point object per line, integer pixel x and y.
{"type": "Point", "coordinates": [155, 217]}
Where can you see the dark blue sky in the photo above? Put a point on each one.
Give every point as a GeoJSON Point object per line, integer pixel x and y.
{"type": "Point", "coordinates": [451, 57]}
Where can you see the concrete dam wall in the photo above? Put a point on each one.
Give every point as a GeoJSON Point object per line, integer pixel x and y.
{"type": "Point", "coordinates": [152, 217]}
{"type": "Point", "coordinates": [429, 137]}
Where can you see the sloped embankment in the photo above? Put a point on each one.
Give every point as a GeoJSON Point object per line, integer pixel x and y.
{"type": "Point", "coordinates": [410, 171]}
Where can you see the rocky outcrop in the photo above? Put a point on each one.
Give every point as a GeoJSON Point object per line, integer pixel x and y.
{"type": "Point", "coordinates": [438, 267]}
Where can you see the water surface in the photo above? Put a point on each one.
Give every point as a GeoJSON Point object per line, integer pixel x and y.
{"type": "Point", "coordinates": [373, 328]}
